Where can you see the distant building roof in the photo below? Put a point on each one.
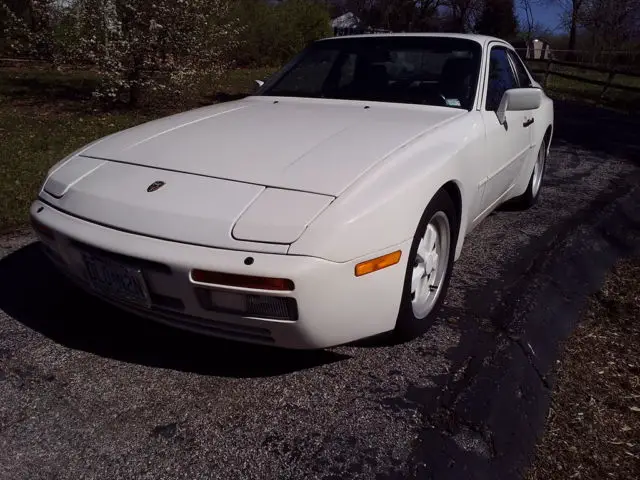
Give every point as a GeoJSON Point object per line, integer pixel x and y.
{"type": "Point", "coordinates": [348, 20]}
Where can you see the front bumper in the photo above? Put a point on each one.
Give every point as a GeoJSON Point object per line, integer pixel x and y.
{"type": "Point", "coordinates": [334, 306]}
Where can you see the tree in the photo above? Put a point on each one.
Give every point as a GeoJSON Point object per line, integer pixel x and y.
{"type": "Point", "coordinates": [27, 27]}
{"type": "Point", "coordinates": [570, 16]}
{"type": "Point", "coordinates": [139, 45]}
{"type": "Point", "coordinates": [272, 34]}
{"type": "Point", "coordinates": [529, 21]}
{"type": "Point", "coordinates": [462, 15]}
{"type": "Point", "coordinates": [607, 24]}
{"type": "Point", "coordinates": [574, 15]}
{"type": "Point", "coordinates": [498, 19]}
{"type": "Point", "coordinates": [397, 15]}
{"type": "Point", "coordinates": [611, 25]}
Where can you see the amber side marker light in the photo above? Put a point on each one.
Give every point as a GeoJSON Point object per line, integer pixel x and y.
{"type": "Point", "coordinates": [43, 229]}
{"type": "Point", "coordinates": [241, 281]}
{"type": "Point", "coordinates": [378, 263]}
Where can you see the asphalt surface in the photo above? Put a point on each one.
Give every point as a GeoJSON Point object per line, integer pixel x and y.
{"type": "Point", "coordinates": [87, 391]}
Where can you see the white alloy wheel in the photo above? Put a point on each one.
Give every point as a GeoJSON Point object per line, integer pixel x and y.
{"type": "Point", "coordinates": [430, 265]}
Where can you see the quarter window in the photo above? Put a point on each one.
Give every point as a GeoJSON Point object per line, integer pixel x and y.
{"type": "Point", "coordinates": [501, 78]}
{"type": "Point", "coordinates": [523, 76]}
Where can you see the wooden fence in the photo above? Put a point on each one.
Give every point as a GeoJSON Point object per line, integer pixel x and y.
{"type": "Point", "coordinates": [547, 70]}
{"type": "Point", "coordinates": [606, 85]}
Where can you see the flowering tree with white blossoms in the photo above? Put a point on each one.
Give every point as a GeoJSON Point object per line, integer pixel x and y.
{"type": "Point", "coordinates": [150, 45]}
{"type": "Point", "coordinates": [27, 27]}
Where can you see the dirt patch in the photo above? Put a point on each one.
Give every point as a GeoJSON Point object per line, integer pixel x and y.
{"type": "Point", "coordinates": [593, 428]}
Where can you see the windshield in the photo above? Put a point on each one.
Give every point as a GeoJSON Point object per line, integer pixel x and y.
{"type": "Point", "coordinates": [420, 70]}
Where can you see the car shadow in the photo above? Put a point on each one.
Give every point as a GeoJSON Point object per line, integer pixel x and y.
{"type": "Point", "coordinates": [597, 129]}
{"type": "Point", "coordinates": [39, 297]}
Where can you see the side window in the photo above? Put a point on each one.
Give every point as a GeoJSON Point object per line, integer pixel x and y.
{"type": "Point", "coordinates": [521, 71]}
{"type": "Point", "coordinates": [501, 78]}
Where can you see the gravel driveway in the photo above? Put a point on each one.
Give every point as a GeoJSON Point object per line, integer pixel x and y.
{"type": "Point", "coordinates": [87, 391]}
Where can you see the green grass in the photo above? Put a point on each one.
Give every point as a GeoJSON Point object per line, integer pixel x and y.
{"type": "Point", "coordinates": [45, 115]}
{"type": "Point", "coordinates": [31, 144]}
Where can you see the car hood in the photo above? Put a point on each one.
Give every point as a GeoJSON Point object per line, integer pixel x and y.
{"type": "Point", "coordinates": [313, 145]}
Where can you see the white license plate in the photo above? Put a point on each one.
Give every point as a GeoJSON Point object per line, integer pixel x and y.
{"type": "Point", "coordinates": [115, 280]}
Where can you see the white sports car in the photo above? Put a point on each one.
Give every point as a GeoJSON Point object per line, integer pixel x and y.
{"type": "Point", "coordinates": [327, 207]}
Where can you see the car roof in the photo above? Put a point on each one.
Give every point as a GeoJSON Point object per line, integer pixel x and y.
{"type": "Point", "coordinates": [482, 39]}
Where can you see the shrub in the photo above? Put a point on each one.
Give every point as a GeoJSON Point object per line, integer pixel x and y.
{"type": "Point", "coordinates": [272, 34]}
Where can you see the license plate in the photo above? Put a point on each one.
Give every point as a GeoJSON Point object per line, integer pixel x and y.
{"type": "Point", "coordinates": [115, 280]}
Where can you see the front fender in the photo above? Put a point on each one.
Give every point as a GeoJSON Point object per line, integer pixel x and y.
{"type": "Point", "coordinates": [384, 207]}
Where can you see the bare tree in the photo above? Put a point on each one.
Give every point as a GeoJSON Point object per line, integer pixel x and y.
{"type": "Point", "coordinates": [526, 6]}
{"type": "Point", "coordinates": [571, 14]}
{"type": "Point", "coordinates": [397, 15]}
{"type": "Point", "coordinates": [612, 25]}
{"type": "Point", "coordinates": [463, 14]}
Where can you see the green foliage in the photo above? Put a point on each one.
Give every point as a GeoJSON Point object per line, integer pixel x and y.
{"type": "Point", "coordinates": [272, 34]}
{"type": "Point", "coordinates": [161, 46]}
{"type": "Point", "coordinates": [498, 19]}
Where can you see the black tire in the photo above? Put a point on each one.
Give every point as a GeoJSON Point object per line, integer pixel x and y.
{"type": "Point", "coordinates": [529, 198]}
{"type": "Point", "coordinates": [408, 326]}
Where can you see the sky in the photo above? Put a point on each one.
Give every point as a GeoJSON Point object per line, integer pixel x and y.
{"type": "Point", "coordinates": [547, 15]}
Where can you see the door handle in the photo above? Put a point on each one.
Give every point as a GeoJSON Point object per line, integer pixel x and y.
{"type": "Point", "coordinates": [528, 122]}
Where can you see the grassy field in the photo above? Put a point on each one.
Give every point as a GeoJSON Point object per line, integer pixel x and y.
{"type": "Point", "coordinates": [45, 115]}
{"type": "Point", "coordinates": [593, 429]}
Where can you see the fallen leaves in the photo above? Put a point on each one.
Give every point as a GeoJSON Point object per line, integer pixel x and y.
{"type": "Point", "coordinates": [593, 424]}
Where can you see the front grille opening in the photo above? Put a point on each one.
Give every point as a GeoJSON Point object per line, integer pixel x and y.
{"type": "Point", "coordinates": [248, 305]}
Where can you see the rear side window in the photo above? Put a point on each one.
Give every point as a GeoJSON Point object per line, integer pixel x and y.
{"type": "Point", "coordinates": [521, 71]}
{"type": "Point", "coordinates": [501, 78]}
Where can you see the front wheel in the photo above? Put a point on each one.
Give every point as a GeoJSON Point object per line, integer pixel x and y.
{"type": "Point", "coordinates": [428, 267]}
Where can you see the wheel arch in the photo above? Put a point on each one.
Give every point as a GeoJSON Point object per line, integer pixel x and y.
{"type": "Point", "coordinates": [454, 189]}
{"type": "Point", "coordinates": [548, 134]}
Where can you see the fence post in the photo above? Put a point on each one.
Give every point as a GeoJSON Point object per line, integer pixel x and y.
{"type": "Point", "coordinates": [546, 73]}
{"type": "Point", "coordinates": [612, 73]}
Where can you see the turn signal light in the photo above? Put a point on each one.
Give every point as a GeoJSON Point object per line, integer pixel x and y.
{"type": "Point", "coordinates": [41, 228]}
{"type": "Point", "coordinates": [241, 281]}
{"type": "Point", "coordinates": [378, 263]}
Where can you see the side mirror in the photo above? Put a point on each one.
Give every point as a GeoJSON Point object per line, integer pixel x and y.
{"type": "Point", "coordinates": [259, 83]}
{"type": "Point", "coordinates": [518, 99]}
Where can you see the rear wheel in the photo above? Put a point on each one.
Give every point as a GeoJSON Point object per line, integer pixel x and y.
{"type": "Point", "coordinates": [428, 268]}
{"type": "Point", "coordinates": [529, 198]}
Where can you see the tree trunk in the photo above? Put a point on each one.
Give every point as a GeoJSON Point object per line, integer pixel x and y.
{"type": "Point", "coordinates": [572, 34]}
{"type": "Point", "coordinates": [134, 82]}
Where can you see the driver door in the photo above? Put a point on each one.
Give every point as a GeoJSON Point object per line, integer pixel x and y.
{"type": "Point", "coordinates": [508, 145]}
